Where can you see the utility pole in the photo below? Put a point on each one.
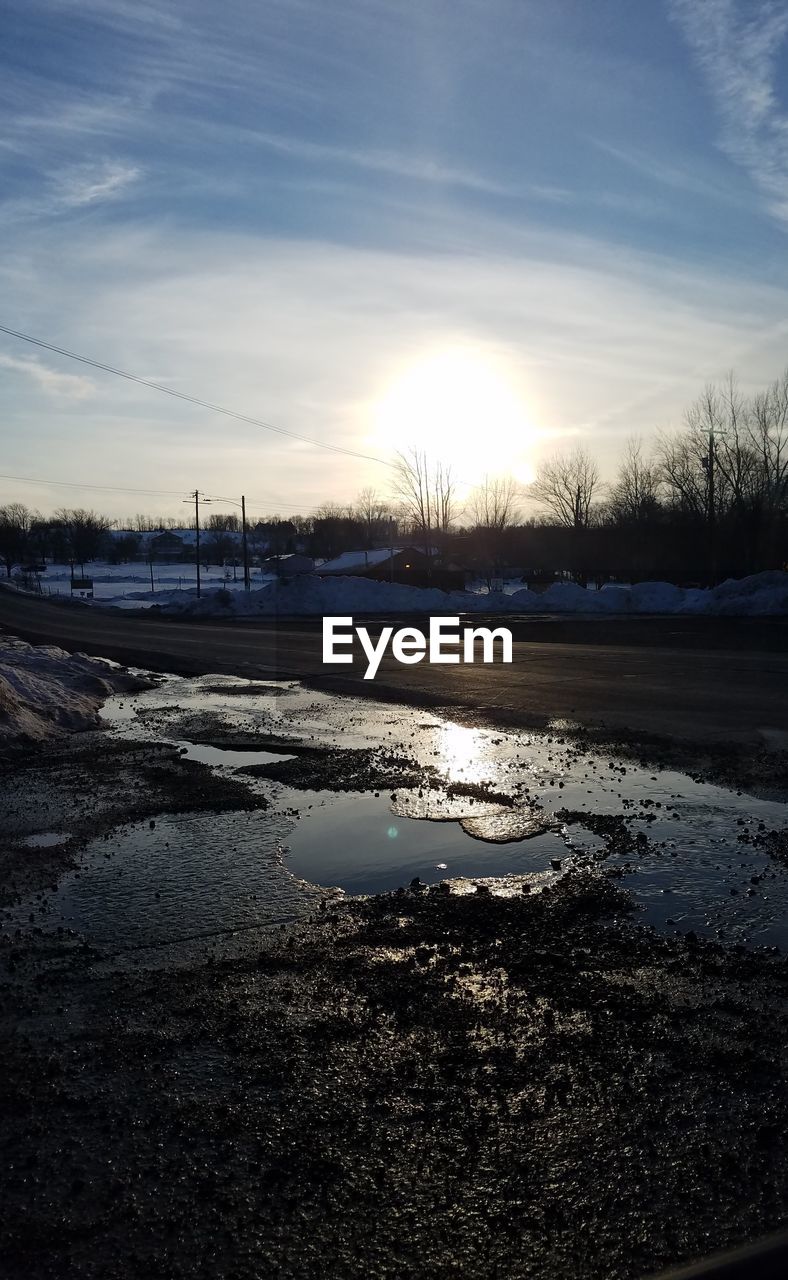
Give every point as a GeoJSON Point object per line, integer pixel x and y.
{"type": "Point", "coordinates": [197, 495]}
{"type": "Point", "coordinates": [197, 528]}
{"type": "Point", "coordinates": [711, 507]}
{"type": "Point", "coordinates": [247, 583]}
{"type": "Point", "coordinates": [235, 503]}
{"type": "Point", "coordinates": [712, 511]}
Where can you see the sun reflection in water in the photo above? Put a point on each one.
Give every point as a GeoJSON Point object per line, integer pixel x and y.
{"type": "Point", "coordinates": [463, 754]}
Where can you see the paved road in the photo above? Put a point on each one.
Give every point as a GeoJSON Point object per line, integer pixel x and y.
{"type": "Point", "coordinates": [695, 678]}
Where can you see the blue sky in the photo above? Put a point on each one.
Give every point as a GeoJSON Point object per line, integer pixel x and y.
{"type": "Point", "coordinates": [499, 227]}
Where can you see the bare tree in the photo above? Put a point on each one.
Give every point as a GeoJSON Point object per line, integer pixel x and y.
{"type": "Point", "coordinates": [372, 510]}
{"type": "Point", "coordinates": [15, 524]}
{"type": "Point", "coordinates": [767, 429]}
{"type": "Point", "coordinates": [711, 466]}
{"type": "Point", "coordinates": [494, 504]}
{"type": "Point", "coordinates": [330, 511]}
{"type": "Point", "coordinates": [411, 486]}
{"type": "Point", "coordinates": [221, 522]}
{"type": "Point", "coordinates": [493, 508]}
{"type": "Point", "coordinates": [426, 491]}
{"type": "Point", "coordinates": [634, 497]}
{"type": "Point", "coordinates": [683, 472]}
{"type": "Point", "coordinates": [731, 453]}
{"type": "Point", "coordinates": [566, 485]}
{"type": "Point", "coordinates": [84, 532]}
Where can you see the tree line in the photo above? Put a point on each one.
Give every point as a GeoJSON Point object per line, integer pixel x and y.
{"type": "Point", "coordinates": [706, 501]}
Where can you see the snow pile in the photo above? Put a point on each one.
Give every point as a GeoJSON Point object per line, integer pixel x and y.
{"type": "Point", "coordinates": [309, 594]}
{"type": "Point", "coordinates": [46, 692]}
{"type": "Point", "coordinates": [760, 594]}
{"type": "Point", "coordinates": [128, 587]}
{"type": "Point", "coordinates": [358, 560]}
{"type": "Point", "coordinates": [653, 597]}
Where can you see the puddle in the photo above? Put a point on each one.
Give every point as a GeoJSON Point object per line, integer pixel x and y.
{"type": "Point", "coordinates": [688, 851]}
{"type": "Point", "coordinates": [226, 757]}
{"type": "Point", "coordinates": [128, 716]}
{"type": "Point", "coordinates": [358, 844]}
{"type": "Point", "coordinates": [185, 876]}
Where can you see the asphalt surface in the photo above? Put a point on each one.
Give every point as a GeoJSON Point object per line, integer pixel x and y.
{"type": "Point", "coordinates": [700, 679]}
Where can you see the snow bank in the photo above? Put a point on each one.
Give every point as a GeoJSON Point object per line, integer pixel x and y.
{"type": "Point", "coordinates": [762, 594]}
{"type": "Point", "coordinates": [46, 692]}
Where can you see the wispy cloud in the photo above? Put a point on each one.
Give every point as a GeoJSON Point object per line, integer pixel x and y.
{"type": "Point", "coordinates": [679, 177]}
{"type": "Point", "coordinates": [84, 184]}
{"type": "Point", "coordinates": [123, 14]}
{"type": "Point", "coordinates": [736, 44]}
{"type": "Point", "coordinates": [436, 170]}
{"type": "Point", "coordinates": [72, 188]}
{"type": "Point", "coordinates": [70, 386]}
{"type": "Point", "coordinates": [311, 334]}
{"type": "Point", "coordinates": [399, 164]}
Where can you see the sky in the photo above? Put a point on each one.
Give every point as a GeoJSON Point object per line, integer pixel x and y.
{"type": "Point", "coordinates": [492, 229]}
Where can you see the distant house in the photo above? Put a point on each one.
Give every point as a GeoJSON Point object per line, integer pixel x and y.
{"type": "Point", "coordinates": [286, 565]}
{"type": "Point", "coordinates": [393, 564]}
{"type": "Point", "coordinates": [362, 564]}
{"type": "Point", "coordinates": [166, 546]}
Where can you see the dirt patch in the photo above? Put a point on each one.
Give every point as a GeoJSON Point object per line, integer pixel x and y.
{"type": "Point", "coordinates": [420, 1085]}
{"type": "Point", "coordinates": [334, 769]}
{"type": "Point", "coordinates": [366, 769]}
{"type": "Point", "coordinates": [613, 828]}
{"type": "Point", "coordinates": [774, 842]}
{"type": "Point", "coordinates": [757, 770]}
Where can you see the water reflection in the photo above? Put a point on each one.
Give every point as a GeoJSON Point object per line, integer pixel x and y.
{"type": "Point", "coordinates": [689, 850]}
{"type": "Point", "coordinates": [350, 842]}
{"type": "Point", "coordinates": [463, 755]}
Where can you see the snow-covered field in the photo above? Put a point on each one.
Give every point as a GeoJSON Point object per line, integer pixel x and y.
{"type": "Point", "coordinates": [46, 692]}
{"type": "Point", "coordinates": [128, 586]}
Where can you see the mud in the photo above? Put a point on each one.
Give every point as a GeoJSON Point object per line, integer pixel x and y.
{"type": "Point", "coordinates": [505, 1075]}
{"type": "Point", "coordinates": [419, 1084]}
{"type": "Point", "coordinates": [358, 769]}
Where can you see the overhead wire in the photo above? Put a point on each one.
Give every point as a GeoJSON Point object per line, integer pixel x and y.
{"type": "Point", "coordinates": [190, 399]}
{"type": "Point", "coordinates": [114, 488]}
{"type": "Point", "coordinates": [196, 400]}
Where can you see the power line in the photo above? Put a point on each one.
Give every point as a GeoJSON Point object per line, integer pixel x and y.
{"type": "Point", "coordinates": [167, 493]}
{"type": "Point", "coordinates": [106, 488]}
{"type": "Point", "coordinates": [270, 505]}
{"type": "Point", "coordinates": [259, 503]}
{"type": "Point", "coordinates": [203, 404]}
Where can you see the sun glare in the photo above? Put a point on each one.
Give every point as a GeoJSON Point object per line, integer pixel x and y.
{"type": "Point", "coordinates": [460, 407]}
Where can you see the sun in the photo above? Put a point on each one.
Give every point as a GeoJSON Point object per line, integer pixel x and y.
{"type": "Point", "coordinates": [462, 407]}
